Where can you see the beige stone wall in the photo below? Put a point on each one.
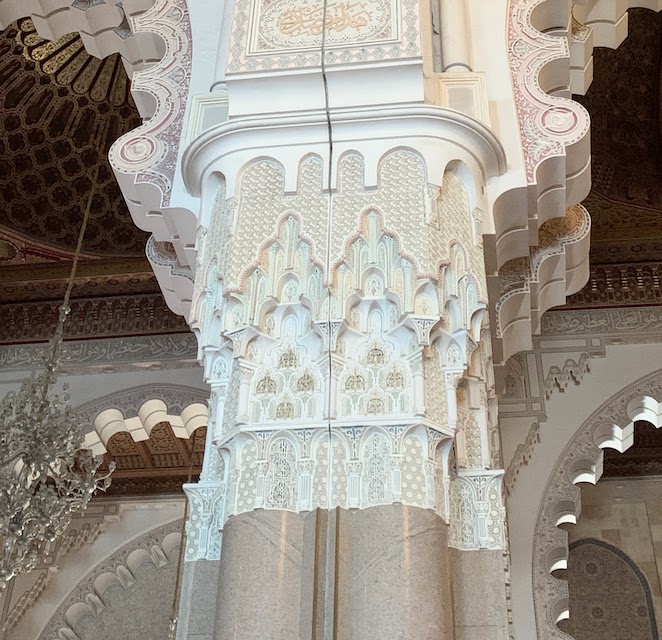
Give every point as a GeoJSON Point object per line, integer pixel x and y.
{"type": "Point", "coordinates": [628, 515]}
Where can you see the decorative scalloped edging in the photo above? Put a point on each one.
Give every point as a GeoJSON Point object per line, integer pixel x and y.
{"type": "Point", "coordinates": [581, 461]}
{"type": "Point", "coordinates": [138, 410]}
{"type": "Point", "coordinates": [555, 269]}
{"type": "Point", "coordinates": [118, 570]}
{"type": "Point", "coordinates": [598, 23]}
{"type": "Point", "coordinates": [129, 400]}
{"type": "Point", "coordinates": [521, 457]}
{"type": "Point", "coordinates": [176, 280]}
{"type": "Point", "coordinates": [151, 413]}
{"type": "Point", "coordinates": [144, 160]}
{"type": "Point", "coordinates": [559, 378]}
{"type": "Point", "coordinates": [554, 130]}
{"type": "Point", "coordinates": [103, 26]}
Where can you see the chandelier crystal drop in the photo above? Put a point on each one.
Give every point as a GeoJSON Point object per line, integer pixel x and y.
{"type": "Point", "coordinates": [46, 473]}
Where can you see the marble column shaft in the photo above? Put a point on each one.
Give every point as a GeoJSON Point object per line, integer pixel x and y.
{"type": "Point", "coordinates": [367, 574]}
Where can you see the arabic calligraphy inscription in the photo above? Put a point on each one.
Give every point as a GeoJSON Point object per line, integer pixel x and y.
{"type": "Point", "coordinates": [299, 24]}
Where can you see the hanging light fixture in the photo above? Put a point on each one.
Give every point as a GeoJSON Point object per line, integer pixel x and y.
{"type": "Point", "coordinates": [46, 473]}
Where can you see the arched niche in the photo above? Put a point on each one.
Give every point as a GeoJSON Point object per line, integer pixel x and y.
{"type": "Point", "coordinates": [609, 595]}
{"type": "Point", "coordinates": [611, 426]}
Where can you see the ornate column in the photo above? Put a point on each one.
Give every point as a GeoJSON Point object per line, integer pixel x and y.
{"type": "Point", "coordinates": [325, 193]}
{"type": "Point", "coordinates": [341, 354]}
{"type": "Point", "coordinates": [340, 303]}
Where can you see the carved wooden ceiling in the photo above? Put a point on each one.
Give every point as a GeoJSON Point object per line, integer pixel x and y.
{"type": "Point", "coordinates": [625, 202]}
{"type": "Point", "coordinates": [155, 466]}
{"type": "Point", "coordinates": [624, 103]}
{"type": "Point", "coordinates": [62, 109]}
{"type": "Point", "coordinates": [643, 458]}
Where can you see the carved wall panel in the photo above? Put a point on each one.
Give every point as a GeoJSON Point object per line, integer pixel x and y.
{"type": "Point", "coordinates": [287, 34]}
{"type": "Point", "coordinates": [609, 595]}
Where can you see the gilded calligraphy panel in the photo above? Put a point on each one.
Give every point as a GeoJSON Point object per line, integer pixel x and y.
{"type": "Point", "coordinates": [299, 24]}
{"type": "Point", "coordinates": [272, 35]}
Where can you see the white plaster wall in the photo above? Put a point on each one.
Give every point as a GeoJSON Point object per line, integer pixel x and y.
{"type": "Point", "coordinates": [566, 413]}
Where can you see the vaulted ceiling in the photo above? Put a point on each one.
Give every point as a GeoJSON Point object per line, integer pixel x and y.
{"type": "Point", "coordinates": [61, 111]}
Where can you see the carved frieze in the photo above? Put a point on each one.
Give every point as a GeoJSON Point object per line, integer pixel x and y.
{"type": "Point", "coordinates": [92, 318]}
{"type": "Point", "coordinates": [108, 355]}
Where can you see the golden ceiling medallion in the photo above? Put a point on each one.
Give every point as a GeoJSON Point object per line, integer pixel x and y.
{"type": "Point", "coordinates": [70, 65]}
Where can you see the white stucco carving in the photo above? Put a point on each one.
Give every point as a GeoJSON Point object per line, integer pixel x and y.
{"type": "Point", "coordinates": [335, 359]}
{"type": "Point", "coordinates": [150, 413]}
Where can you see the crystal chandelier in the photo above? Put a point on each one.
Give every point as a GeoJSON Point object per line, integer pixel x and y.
{"type": "Point", "coordinates": [46, 474]}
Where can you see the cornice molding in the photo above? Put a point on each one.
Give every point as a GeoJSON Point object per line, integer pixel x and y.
{"type": "Point", "coordinates": [618, 325]}
{"type": "Point", "coordinates": [128, 401]}
{"type": "Point", "coordinates": [353, 128]}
